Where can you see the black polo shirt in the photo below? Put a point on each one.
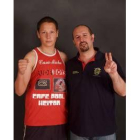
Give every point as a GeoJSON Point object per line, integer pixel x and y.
{"type": "Point", "coordinates": [91, 98]}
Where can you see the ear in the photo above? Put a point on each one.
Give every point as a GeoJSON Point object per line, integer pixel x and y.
{"type": "Point", "coordinates": [38, 34]}
{"type": "Point", "coordinates": [92, 37]}
{"type": "Point", "coordinates": [73, 42]}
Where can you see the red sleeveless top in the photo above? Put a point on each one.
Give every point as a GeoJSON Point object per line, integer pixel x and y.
{"type": "Point", "coordinates": [45, 102]}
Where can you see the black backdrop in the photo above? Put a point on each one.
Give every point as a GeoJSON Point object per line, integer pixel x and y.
{"type": "Point", "coordinates": [105, 17]}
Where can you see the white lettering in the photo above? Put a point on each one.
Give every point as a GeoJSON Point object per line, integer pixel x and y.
{"type": "Point", "coordinates": [50, 102]}
{"type": "Point", "coordinates": [57, 96]}
{"type": "Point", "coordinates": [40, 96]}
{"type": "Point", "coordinates": [41, 62]}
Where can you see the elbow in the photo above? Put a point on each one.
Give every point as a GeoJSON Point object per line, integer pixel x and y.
{"type": "Point", "coordinates": [18, 92]}
{"type": "Point", "coordinates": [122, 93]}
{"type": "Point", "coordinates": [121, 90]}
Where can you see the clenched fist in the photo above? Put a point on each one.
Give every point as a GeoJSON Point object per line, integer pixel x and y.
{"type": "Point", "coordinates": [22, 65]}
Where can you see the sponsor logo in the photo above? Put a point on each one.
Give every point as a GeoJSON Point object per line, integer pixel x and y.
{"type": "Point", "coordinates": [51, 72]}
{"type": "Point", "coordinates": [42, 84]}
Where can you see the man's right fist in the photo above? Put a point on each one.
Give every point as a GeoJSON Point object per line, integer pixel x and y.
{"type": "Point", "coordinates": [22, 66]}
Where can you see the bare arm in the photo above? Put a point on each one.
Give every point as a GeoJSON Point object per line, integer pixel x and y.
{"type": "Point", "coordinates": [64, 56]}
{"type": "Point", "coordinates": [25, 67]}
{"type": "Point", "coordinates": [111, 68]}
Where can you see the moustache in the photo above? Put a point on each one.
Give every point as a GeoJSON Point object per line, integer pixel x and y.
{"type": "Point", "coordinates": [82, 43]}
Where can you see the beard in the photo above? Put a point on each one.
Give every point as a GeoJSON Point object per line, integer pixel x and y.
{"type": "Point", "coordinates": [84, 46]}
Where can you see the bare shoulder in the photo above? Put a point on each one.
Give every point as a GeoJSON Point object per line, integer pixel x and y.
{"type": "Point", "coordinates": [31, 57]}
{"type": "Point", "coordinates": [63, 56]}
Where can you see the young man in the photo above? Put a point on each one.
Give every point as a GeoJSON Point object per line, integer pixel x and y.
{"type": "Point", "coordinates": [42, 75]}
{"type": "Point", "coordinates": [92, 79]}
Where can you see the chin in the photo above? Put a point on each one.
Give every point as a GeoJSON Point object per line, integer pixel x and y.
{"type": "Point", "coordinates": [49, 45]}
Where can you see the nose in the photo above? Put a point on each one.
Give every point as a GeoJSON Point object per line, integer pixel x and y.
{"type": "Point", "coordinates": [47, 35]}
{"type": "Point", "coordinates": [81, 39]}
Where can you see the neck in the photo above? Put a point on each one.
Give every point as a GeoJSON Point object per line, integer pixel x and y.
{"type": "Point", "coordinates": [47, 50]}
{"type": "Point", "coordinates": [86, 56]}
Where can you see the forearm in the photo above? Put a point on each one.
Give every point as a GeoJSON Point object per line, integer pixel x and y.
{"type": "Point", "coordinates": [118, 84]}
{"type": "Point", "coordinates": [20, 85]}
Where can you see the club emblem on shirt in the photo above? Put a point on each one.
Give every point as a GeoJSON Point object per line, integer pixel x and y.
{"type": "Point", "coordinates": [97, 71]}
{"type": "Point", "coordinates": [59, 85]}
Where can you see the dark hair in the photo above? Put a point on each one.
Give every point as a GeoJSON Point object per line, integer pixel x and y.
{"type": "Point", "coordinates": [90, 31]}
{"type": "Point", "coordinates": [47, 19]}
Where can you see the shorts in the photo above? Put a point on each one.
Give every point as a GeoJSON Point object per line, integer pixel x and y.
{"type": "Point", "coordinates": [56, 132]}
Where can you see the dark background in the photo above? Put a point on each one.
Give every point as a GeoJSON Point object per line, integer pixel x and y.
{"type": "Point", "coordinates": [107, 21]}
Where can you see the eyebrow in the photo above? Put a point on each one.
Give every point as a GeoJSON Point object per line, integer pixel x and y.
{"type": "Point", "coordinates": [85, 33]}
{"type": "Point", "coordinates": [76, 36]}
